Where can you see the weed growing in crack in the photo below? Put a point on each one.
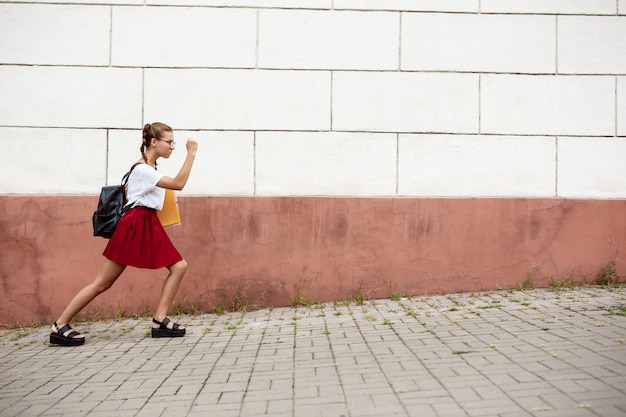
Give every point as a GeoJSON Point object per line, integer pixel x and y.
{"type": "Point", "coordinates": [359, 299]}
{"type": "Point", "coordinates": [527, 284]}
{"type": "Point", "coordinates": [184, 308]}
{"type": "Point", "coordinates": [396, 296]}
{"type": "Point", "coordinates": [619, 310]}
{"type": "Point", "coordinates": [607, 275]}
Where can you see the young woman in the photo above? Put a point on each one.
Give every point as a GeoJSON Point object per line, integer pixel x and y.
{"type": "Point", "coordinates": [139, 239]}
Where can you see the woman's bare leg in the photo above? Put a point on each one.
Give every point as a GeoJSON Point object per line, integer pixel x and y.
{"type": "Point", "coordinates": [110, 272]}
{"type": "Point", "coordinates": [170, 287]}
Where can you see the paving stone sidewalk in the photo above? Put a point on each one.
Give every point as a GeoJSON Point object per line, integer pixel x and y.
{"type": "Point", "coordinates": [502, 353]}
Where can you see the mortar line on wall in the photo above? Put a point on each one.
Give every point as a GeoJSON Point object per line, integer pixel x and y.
{"type": "Point", "coordinates": [110, 36]}
{"type": "Point", "coordinates": [397, 163]}
{"type": "Point", "coordinates": [258, 29]}
{"type": "Point", "coordinates": [143, 96]}
{"type": "Point", "coordinates": [616, 108]}
{"type": "Point", "coordinates": [400, 15]}
{"type": "Point", "coordinates": [251, 68]}
{"type": "Point", "coordinates": [480, 79]}
{"type": "Point", "coordinates": [332, 77]}
{"type": "Point", "coordinates": [556, 44]}
{"type": "Point", "coordinates": [332, 7]}
{"type": "Point", "coordinates": [382, 132]}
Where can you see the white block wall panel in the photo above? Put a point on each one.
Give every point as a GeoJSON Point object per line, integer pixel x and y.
{"type": "Point", "coordinates": [592, 167]}
{"type": "Point", "coordinates": [184, 37]}
{"type": "Point", "coordinates": [224, 163]}
{"type": "Point", "coordinates": [464, 166]}
{"type": "Point", "coordinates": [328, 40]}
{"type": "Point", "coordinates": [548, 6]}
{"type": "Point", "coordinates": [592, 45]}
{"type": "Point", "coordinates": [122, 152]}
{"type": "Point", "coordinates": [482, 43]}
{"type": "Point", "coordinates": [70, 96]}
{"type": "Point", "coordinates": [410, 5]}
{"type": "Point", "coordinates": [547, 105]}
{"type": "Point", "coordinates": [357, 72]}
{"type": "Point", "coordinates": [82, 2]}
{"type": "Point", "coordinates": [287, 4]}
{"type": "Point", "coordinates": [325, 163]}
{"type": "Point", "coordinates": [405, 102]}
{"type": "Point", "coordinates": [621, 106]}
{"type": "Point", "coordinates": [42, 34]}
{"type": "Point", "coordinates": [239, 99]}
{"type": "Point", "coordinates": [52, 161]}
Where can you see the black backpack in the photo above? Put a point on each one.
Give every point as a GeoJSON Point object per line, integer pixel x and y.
{"type": "Point", "coordinates": [110, 207]}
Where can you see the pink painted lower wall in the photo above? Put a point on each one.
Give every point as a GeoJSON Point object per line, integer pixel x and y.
{"type": "Point", "coordinates": [272, 251]}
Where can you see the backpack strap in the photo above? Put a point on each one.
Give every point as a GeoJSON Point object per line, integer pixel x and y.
{"type": "Point", "coordinates": [127, 206]}
{"type": "Point", "coordinates": [125, 177]}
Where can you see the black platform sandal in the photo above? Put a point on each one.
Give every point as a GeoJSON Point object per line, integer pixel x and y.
{"type": "Point", "coordinates": [163, 331]}
{"type": "Point", "coordinates": [61, 339]}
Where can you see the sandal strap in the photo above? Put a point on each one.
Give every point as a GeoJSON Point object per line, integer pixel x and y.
{"type": "Point", "coordinates": [63, 329]}
{"type": "Point", "coordinates": [61, 332]}
{"type": "Point", "coordinates": [163, 324]}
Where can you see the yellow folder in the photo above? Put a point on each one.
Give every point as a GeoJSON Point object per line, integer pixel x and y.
{"type": "Point", "coordinates": [169, 214]}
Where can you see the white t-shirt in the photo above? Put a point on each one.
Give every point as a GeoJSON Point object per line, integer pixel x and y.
{"type": "Point", "coordinates": [142, 189]}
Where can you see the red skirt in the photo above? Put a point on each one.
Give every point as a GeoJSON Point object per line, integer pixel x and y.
{"type": "Point", "coordinates": [140, 241]}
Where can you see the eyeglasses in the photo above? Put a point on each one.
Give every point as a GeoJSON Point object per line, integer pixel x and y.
{"type": "Point", "coordinates": [171, 143]}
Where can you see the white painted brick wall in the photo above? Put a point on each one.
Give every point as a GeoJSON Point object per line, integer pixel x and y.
{"type": "Point", "coordinates": [410, 5]}
{"type": "Point", "coordinates": [238, 99]}
{"type": "Point", "coordinates": [547, 105]}
{"type": "Point", "coordinates": [52, 161]}
{"type": "Point", "coordinates": [54, 34]}
{"type": "Point", "coordinates": [101, 2]}
{"type": "Point", "coordinates": [325, 163]}
{"type": "Point", "coordinates": [443, 165]}
{"type": "Point", "coordinates": [224, 167]}
{"type": "Point", "coordinates": [319, 97]}
{"type": "Point", "coordinates": [91, 97]}
{"type": "Point", "coordinates": [183, 37]}
{"type": "Point", "coordinates": [478, 43]}
{"type": "Point", "coordinates": [592, 167]}
{"type": "Point", "coordinates": [328, 40]}
{"type": "Point", "coordinates": [592, 45]}
{"type": "Point", "coordinates": [405, 102]}
{"type": "Point", "coordinates": [606, 7]}
{"type": "Point", "coordinates": [291, 4]}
